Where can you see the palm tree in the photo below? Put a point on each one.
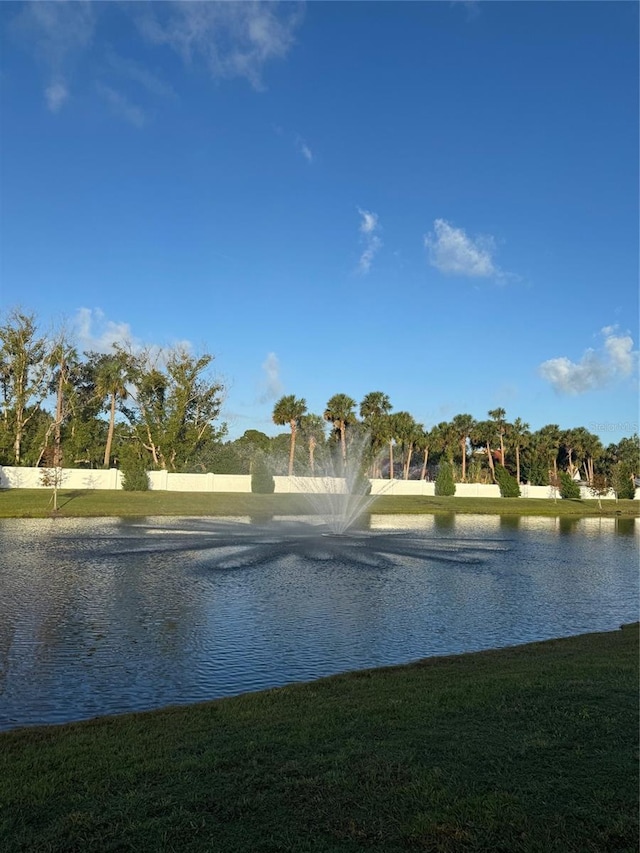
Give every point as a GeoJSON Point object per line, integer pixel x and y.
{"type": "Point", "coordinates": [374, 404]}
{"type": "Point", "coordinates": [520, 435]}
{"type": "Point", "coordinates": [405, 430]}
{"type": "Point", "coordinates": [571, 443]}
{"type": "Point", "coordinates": [548, 443]}
{"type": "Point", "coordinates": [339, 412]}
{"type": "Point", "coordinates": [482, 435]}
{"type": "Point", "coordinates": [424, 442]}
{"type": "Point", "coordinates": [593, 450]}
{"type": "Point", "coordinates": [312, 429]}
{"type": "Point", "coordinates": [463, 426]}
{"type": "Point", "coordinates": [111, 384]}
{"type": "Point", "coordinates": [497, 415]}
{"type": "Point", "coordinates": [448, 440]}
{"type": "Point", "coordinates": [288, 410]}
{"type": "Point", "coordinates": [374, 411]}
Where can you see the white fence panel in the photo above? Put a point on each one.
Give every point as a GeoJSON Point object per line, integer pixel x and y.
{"type": "Point", "coordinates": [477, 490]}
{"type": "Point", "coordinates": [231, 483]}
{"type": "Point", "coordinates": [12, 477]}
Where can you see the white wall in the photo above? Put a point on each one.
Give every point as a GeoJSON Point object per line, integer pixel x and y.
{"type": "Point", "coordinates": [79, 478]}
{"type": "Point", "coordinates": [72, 478]}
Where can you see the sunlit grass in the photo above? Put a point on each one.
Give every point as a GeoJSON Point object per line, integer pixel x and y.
{"type": "Point", "coordinates": [37, 503]}
{"type": "Point", "coordinates": [527, 749]}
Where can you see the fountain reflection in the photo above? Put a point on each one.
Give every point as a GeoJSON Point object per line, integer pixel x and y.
{"type": "Point", "coordinates": [101, 616]}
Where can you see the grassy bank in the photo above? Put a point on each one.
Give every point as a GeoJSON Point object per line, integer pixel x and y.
{"type": "Point", "coordinates": [36, 503]}
{"type": "Point", "coordinates": [525, 749]}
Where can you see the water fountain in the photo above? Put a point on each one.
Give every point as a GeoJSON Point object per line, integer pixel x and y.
{"type": "Point", "coordinates": [340, 493]}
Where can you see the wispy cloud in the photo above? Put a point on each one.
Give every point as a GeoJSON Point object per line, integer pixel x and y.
{"type": "Point", "coordinates": [304, 149]}
{"type": "Point", "coordinates": [139, 74]}
{"type": "Point", "coordinates": [596, 369]}
{"type": "Point", "coordinates": [57, 33]}
{"type": "Point", "coordinates": [122, 107]}
{"type": "Point", "coordinates": [232, 39]}
{"type": "Point", "coordinates": [453, 252]}
{"type": "Point", "coordinates": [271, 384]}
{"type": "Point", "coordinates": [369, 226]}
{"type": "Point", "coordinates": [96, 333]}
{"type": "Point", "coordinates": [55, 95]}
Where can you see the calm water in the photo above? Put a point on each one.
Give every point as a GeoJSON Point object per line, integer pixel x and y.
{"type": "Point", "coordinates": [101, 616]}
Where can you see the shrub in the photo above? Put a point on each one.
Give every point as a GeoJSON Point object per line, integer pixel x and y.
{"type": "Point", "coordinates": [622, 481]}
{"type": "Point", "coordinates": [569, 489]}
{"type": "Point", "coordinates": [599, 487]}
{"type": "Point", "coordinates": [134, 473]}
{"type": "Point", "coordinates": [262, 481]}
{"type": "Point", "coordinates": [509, 487]}
{"type": "Point", "coordinates": [444, 480]}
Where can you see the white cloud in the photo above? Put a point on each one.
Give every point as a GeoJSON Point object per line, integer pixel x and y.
{"type": "Point", "coordinates": [595, 369]}
{"type": "Point", "coordinates": [570, 377]}
{"type": "Point", "coordinates": [96, 333]}
{"type": "Point", "coordinates": [369, 225]}
{"type": "Point", "coordinates": [366, 258]}
{"type": "Point", "coordinates": [369, 221]}
{"type": "Point", "coordinates": [57, 33]}
{"type": "Point", "coordinates": [271, 384]}
{"type": "Point", "coordinates": [620, 351]}
{"type": "Point", "coordinates": [453, 252]}
{"type": "Point", "coordinates": [122, 107]}
{"type": "Point", "coordinates": [233, 39]}
{"type": "Point", "coordinates": [55, 95]}
{"type": "Point", "coordinates": [304, 149]}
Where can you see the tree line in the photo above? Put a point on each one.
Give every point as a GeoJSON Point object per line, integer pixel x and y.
{"type": "Point", "coordinates": [160, 409]}
{"type": "Point", "coordinates": [477, 451]}
{"type": "Point", "coordinates": [155, 407]}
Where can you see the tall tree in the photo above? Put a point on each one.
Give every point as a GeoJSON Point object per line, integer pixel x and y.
{"type": "Point", "coordinates": [112, 373]}
{"type": "Point", "coordinates": [339, 412]}
{"type": "Point", "coordinates": [547, 445]}
{"type": "Point", "coordinates": [447, 439]}
{"type": "Point", "coordinates": [519, 435]}
{"type": "Point", "coordinates": [62, 359]}
{"type": "Point", "coordinates": [405, 431]}
{"type": "Point", "coordinates": [288, 410]}
{"type": "Point", "coordinates": [23, 354]}
{"type": "Point", "coordinates": [86, 432]}
{"type": "Point", "coordinates": [312, 430]}
{"type": "Point", "coordinates": [175, 404]}
{"type": "Point", "coordinates": [424, 442]}
{"type": "Point", "coordinates": [593, 452]}
{"type": "Point", "coordinates": [571, 445]}
{"type": "Point", "coordinates": [482, 436]}
{"type": "Point", "coordinates": [463, 426]}
{"type": "Point", "coordinates": [374, 411]}
{"type": "Point", "coordinates": [498, 417]}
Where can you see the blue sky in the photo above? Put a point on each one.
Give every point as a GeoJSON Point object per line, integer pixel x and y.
{"type": "Point", "coordinates": [434, 200]}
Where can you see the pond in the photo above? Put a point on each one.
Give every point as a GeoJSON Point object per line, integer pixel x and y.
{"type": "Point", "coordinates": [103, 616]}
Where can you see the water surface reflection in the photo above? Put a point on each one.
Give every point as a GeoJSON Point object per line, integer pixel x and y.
{"type": "Point", "coordinates": [108, 615]}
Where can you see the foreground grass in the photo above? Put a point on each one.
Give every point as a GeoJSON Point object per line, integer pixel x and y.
{"type": "Point", "coordinates": [36, 503]}
{"type": "Point", "coordinates": [525, 749]}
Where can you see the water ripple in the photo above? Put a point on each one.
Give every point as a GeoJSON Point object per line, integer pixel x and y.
{"type": "Point", "coordinates": [110, 615]}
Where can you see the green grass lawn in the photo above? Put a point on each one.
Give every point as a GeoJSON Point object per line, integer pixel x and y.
{"type": "Point", "coordinates": [36, 503]}
{"type": "Point", "coordinates": [532, 748]}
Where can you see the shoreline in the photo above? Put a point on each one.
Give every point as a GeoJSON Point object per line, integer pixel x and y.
{"type": "Point", "coordinates": [36, 503]}
{"type": "Point", "coordinates": [488, 750]}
